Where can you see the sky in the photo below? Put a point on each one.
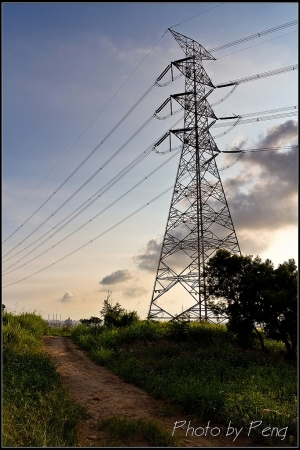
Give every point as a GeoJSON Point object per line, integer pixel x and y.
{"type": "Point", "coordinates": [71, 72]}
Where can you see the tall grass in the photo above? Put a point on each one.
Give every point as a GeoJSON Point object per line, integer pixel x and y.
{"type": "Point", "coordinates": [37, 411]}
{"type": "Point", "coordinates": [201, 369]}
{"type": "Point", "coordinates": [135, 432]}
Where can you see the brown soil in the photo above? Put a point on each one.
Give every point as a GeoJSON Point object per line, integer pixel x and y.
{"type": "Point", "coordinates": [105, 394]}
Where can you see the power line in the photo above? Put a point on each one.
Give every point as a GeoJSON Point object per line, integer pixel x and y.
{"type": "Point", "coordinates": [257, 119]}
{"type": "Point", "coordinates": [242, 80]}
{"type": "Point", "coordinates": [104, 189]}
{"type": "Point", "coordinates": [86, 159]}
{"type": "Point", "coordinates": [86, 182]}
{"type": "Point", "coordinates": [87, 126]}
{"type": "Point", "coordinates": [89, 202]}
{"type": "Point", "coordinates": [255, 45]}
{"type": "Point", "coordinates": [95, 238]}
{"type": "Point", "coordinates": [122, 173]}
{"type": "Point", "coordinates": [196, 15]}
{"type": "Point", "coordinates": [265, 149]}
{"type": "Point", "coordinates": [89, 221]}
{"type": "Point", "coordinates": [254, 36]}
{"type": "Point", "coordinates": [126, 115]}
{"type": "Point", "coordinates": [90, 124]}
{"type": "Point", "coordinates": [279, 27]}
{"type": "Point", "coordinates": [243, 153]}
{"type": "Point", "coordinates": [116, 225]}
{"type": "Point", "coordinates": [258, 76]}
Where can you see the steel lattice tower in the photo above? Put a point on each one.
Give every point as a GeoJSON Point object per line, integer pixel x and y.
{"type": "Point", "coordinates": [199, 220]}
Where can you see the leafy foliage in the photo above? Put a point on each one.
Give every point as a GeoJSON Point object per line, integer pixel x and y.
{"type": "Point", "coordinates": [115, 315]}
{"type": "Point", "coordinates": [95, 321]}
{"type": "Point", "coordinates": [199, 369]}
{"type": "Point", "coordinates": [37, 411]}
{"type": "Point", "coordinates": [249, 292]}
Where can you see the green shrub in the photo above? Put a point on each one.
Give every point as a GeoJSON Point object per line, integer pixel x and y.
{"type": "Point", "coordinates": [200, 369]}
{"type": "Point", "coordinates": [37, 411]}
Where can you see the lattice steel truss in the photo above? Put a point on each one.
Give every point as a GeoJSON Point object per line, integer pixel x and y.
{"type": "Point", "coordinates": [199, 220]}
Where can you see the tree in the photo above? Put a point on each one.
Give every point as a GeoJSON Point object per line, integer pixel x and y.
{"type": "Point", "coordinates": [115, 315]}
{"type": "Point", "coordinates": [95, 321]}
{"type": "Point", "coordinates": [280, 306]}
{"type": "Point", "coordinates": [250, 293]}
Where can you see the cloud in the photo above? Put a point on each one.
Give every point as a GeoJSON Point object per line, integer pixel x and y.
{"type": "Point", "coordinates": [252, 243]}
{"type": "Point", "coordinates": [116, 277]}
{"type": "Point", "coordinates": [67, 297]}
{"type": "Point", "coordinates": [148, 260]}
{"type": "Point", "coordinates": [264, 195]}
{"type": "Point", "coordinates": [135, 291]}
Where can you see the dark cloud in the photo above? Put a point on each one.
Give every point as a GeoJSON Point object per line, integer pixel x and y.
{"type": "Point", "coordinates": [264, 194]}
{"type": "Point", "coordinates": [149, 259]}
{"type": "Point", "coordinates": [135, 291]}
{"type": "Point", "coordinates": [67, 297]}
{"type": "Point", "coordinates": [116, 277]}
{"type": "Point", "coordinates": [284, 134]}
{"type": "Point", "coordinates": [262, 197]}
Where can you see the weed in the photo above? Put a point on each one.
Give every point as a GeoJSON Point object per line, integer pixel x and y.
{"type": "Point", "coordinates": [130, 431]}
{"type": "Point", "coordinates": [37, 411]}
{"type": "Point", "coordinates": [200, 369]}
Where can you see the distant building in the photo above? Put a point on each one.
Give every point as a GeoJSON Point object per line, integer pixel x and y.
{"type": "Point", "coordinates": [54, 323]}
{"type": "Point", "coordinates": [68, 323]}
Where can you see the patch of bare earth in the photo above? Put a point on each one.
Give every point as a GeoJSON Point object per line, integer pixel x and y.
{"type": "Point", "coordinates": [104, 394]}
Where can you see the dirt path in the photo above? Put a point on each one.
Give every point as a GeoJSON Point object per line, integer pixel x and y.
{"type": "Point", "coordinates": [105, 394]}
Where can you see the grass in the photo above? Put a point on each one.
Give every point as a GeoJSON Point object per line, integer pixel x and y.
{"type": "Point", "coordinates": [200, 369]}
{"type": "Point", "coordinates": [37, 411]}
{"type": "Point", "coordinates": [127, 431]}
{"type": "Point", "coordinates": [58, 331]}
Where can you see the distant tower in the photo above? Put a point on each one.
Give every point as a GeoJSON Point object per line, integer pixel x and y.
{"type": "Point", "coordinates": [199, 220]}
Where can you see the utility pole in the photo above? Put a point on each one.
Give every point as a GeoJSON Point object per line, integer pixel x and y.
{"type": "Point", "coordinates": [199, 220]}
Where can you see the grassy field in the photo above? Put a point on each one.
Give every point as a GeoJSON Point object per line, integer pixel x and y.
{"type": "Point", "coordinates": [37, 411]}
{"type": "Point", "coordinates": [200, 369]}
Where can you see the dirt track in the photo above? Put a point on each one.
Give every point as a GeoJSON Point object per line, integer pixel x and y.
{"type": "Point", "coordinates": [105, 394]}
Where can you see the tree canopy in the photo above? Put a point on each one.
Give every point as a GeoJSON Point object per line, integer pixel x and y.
{"type": "Point", "coordinates": [115, 315]}
{"type": "Point", "coordinates": [251, 293]}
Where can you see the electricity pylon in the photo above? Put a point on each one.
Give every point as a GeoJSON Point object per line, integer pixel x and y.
{"type": "Point", "coordinates": [199, 220]}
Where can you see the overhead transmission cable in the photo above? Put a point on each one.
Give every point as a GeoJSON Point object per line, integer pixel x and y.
{"type": "Point", "coordinates": [90, 220]}
{"type": "Point", "coordinates": [255, 45]}
{"type": "Point", "coordinates": [89, 125]}
{"type": "Point", "coordinates": [263, 149]}
{"type": "Point", "coordinates": [254, 150]}
{"type": "Point", "coordinates": [101, 234]}
{"type": "Point", "coordinates": [186, 20]}
{"type": "Point", "coordinates": [212, 50]}
{"type": "Point", "coordinates": [240, 121]}
{"type": "Point", "coordinates": [151, 87]}
{"type": "Point", "coordinates": [258, 76]}
{"type": "Point", "coordinates": [86, 182]}
{"type": "Point", "coordinates": [91, 200]}
{"type": "Point", "coordinates": [86, 159]}
{"type": "Point", "coordinates": [95, 238]}
{"type": "Point", "coordinates": [121, 174]}
{"type": "Point", "coordinates": [254, 36]}
{"type": "Point", "coordinates": [257, 119]}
